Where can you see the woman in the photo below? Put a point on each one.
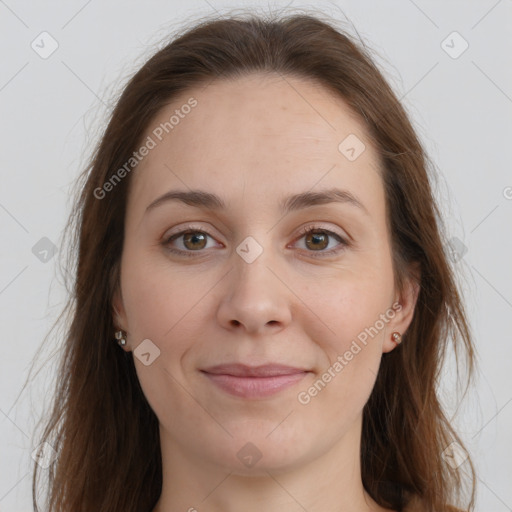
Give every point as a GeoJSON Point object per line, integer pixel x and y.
{"type": "Point", "coordinates": [262, 298]}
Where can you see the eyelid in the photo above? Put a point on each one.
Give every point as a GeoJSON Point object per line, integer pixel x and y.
{"type": "Point", "coordinates": [187, 227]}
{"type": "Point", "coordinates": [319, 227]}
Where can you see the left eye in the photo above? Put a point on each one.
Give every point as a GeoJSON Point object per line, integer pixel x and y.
{"type": "Point", "coordinates": [318, 239]}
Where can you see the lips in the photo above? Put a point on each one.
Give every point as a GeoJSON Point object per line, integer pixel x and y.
{"type": "Point", "coordinates": [254, 382]}
{"type": "Point", "coordinates": [242, 370]}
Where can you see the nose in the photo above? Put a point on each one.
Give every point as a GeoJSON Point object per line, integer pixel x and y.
{"type": "Point", "coordinates": [256, 298]}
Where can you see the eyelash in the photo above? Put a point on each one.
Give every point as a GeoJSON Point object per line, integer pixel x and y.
{"type": "Point", "coordinates": [304, 231]}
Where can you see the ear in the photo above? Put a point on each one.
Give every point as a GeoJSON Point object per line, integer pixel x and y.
{"type": "Point", "coordinates": [404, 312]}
{"type": "Point", "coordinates": [119, 313]}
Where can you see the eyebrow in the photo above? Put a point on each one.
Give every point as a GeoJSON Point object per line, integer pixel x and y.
{"type": "Point", "coordinates": [203, 199]}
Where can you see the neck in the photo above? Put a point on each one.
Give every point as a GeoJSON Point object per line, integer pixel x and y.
{"type": "Point", "coordinates": [330, 482]}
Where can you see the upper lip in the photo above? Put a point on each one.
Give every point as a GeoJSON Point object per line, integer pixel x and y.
{"type": "Point", "coordinates": [243, 370]}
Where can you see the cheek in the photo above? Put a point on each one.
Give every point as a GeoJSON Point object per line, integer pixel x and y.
{"type": "Point", "coordinates": [163, 305]}
{"type": "Point", "coordinates": [159, 299]}
{"type": "Point", "coordinates": [354, 320]}
{"type": "Point", "coordinates": [351, 346]}
{"type": "Point", "coordinates": [354, 309]}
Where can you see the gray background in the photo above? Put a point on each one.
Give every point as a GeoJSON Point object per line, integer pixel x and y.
{"type": "Point", "coordinates": [52, 109]}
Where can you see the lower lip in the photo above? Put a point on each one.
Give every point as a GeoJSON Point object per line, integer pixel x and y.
{"type": "Point", "coordinates": [254, 387]}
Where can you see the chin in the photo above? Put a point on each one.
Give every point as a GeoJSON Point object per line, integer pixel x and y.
{"type": "Point", "coordinates": [261, 453]}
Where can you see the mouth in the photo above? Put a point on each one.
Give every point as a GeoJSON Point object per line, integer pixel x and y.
{"type": "Point", "coordinates": [254, 381]}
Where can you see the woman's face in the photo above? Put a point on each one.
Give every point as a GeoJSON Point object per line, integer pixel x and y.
{"type": "Point", "coordinates": [246, 285]}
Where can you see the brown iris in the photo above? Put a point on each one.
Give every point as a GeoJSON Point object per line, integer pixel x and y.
{"type": "Point", "coordinates": [194, 237]}
{"type": "Point", "coordinates": [319, 239]}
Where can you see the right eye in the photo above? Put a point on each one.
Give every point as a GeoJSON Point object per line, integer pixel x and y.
{"type": "Point", "coordinates": [192, 240]}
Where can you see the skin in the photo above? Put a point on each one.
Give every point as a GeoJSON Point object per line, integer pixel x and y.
{"type": "Point", "coordinates": [253, 141]}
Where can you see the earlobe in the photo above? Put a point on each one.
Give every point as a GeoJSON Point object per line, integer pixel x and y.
{"type": "Point", "coordinates": [407, 301]}
{"type": "Point", "coordinates": [119, 321]}
{"type": "Point", "coordinates": [392, 341]}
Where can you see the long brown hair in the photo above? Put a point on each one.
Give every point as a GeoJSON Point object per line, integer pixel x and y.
{"type": "Point", "coordinates": [101, 426]}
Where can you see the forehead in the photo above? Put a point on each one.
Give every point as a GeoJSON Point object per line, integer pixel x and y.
{"type": "Point", "coordinates": [258, 133]}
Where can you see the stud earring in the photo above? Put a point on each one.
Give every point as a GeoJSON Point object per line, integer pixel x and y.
{"type": "Point", "coordinates": [397, 338]}
{"type": "Point", "coordinates": [120, 337]}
